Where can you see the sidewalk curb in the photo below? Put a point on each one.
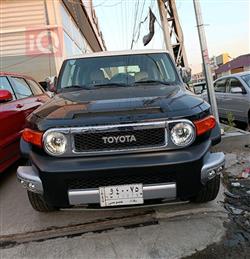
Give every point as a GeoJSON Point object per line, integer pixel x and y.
{"type": "Point", "coordinates": [236, 140]}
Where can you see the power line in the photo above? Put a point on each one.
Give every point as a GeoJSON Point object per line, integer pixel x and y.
{"type": "Point", "coordinates": [110, 5]}
{"type": "Point", "coordinates": [138, 32]}
{"type": "Point", "coordinates": [152, 4]}
{"type": "Point", "coordinates": [135, 19]}
{"type": "Point", "coordinates": [122, 25]}
{"type": "Point", "coordinates": [126, 21]}
{"type": "Point", "coordinates": [102, 4]}
{"type": "Point", "coordinates": [140, 23]}
{"type": "Point", "coordinates": [139, 29]}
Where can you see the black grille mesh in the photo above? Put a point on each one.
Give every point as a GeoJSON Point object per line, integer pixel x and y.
{"type": "Point", "coordinates": [85, 142]}
{"type": "Point", "coordinates": [96, 182]}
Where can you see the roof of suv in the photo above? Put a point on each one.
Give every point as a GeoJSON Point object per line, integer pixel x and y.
{"type": "Point", "coordinates": [118, 53]}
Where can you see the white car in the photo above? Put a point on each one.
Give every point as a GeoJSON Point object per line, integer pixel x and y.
{"type": "Point", "coordinates": [233, 96]}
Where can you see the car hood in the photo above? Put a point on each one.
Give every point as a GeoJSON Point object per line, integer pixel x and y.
{"type": "Point", "coordinates": [126, 103]}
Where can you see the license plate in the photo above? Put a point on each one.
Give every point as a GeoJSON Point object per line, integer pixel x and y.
{"type": "Point", "coordinates": [121, 195]}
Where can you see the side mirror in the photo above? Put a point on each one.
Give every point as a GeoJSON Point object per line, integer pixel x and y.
{"type": "Point", "coordinates": [5, 96]}
{"type": "Point", "coordinates": [198, 90]}
{"type": "Point", "coordinates": [236, 90]}
{"type": "Point", "coordinates": [51, 83]}
{"type": "Point", "coordinates": [185, 74]}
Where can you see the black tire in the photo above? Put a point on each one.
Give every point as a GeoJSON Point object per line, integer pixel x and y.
{"type": "Point", "coordinates": [38, 203]}
{"type": "Point", "coordinates": [208, 192]}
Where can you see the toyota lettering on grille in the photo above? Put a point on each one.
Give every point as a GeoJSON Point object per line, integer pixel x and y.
{"type": "Point", "coordinates": [119, 139]}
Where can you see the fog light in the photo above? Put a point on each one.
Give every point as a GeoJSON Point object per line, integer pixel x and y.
{"type": "Point", "coordinates": [219, 169]}
{"type": "Point", "coordinates": [31, 186]}
{"type": "Point", "coordinates": [211, 174]}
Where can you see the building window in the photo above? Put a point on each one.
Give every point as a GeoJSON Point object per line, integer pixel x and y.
{"type": "Point", "coordinates": [75, 43]}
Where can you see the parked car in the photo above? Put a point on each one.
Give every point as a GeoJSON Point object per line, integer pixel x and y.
{"type": "Point", "coordinates": [19, 96]}
{"type": "Point", "coordinates": [233, 96]}
{"type": "Point", "coordinates": [121, 130]}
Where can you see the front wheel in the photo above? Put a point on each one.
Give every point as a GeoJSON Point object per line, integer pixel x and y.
{"type": "Point", "coordinates": [208, 192]}
{"type": "Point", "coordinates": [38, 203]}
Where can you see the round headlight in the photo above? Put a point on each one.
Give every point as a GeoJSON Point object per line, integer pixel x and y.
{"type": "Point", "coordinates": [55, 143]}
{"type": "Point", "coordinates": [182, 134]}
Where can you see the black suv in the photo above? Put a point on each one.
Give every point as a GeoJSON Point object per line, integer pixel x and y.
{"type": "Point", "coordinates": [121, 130]}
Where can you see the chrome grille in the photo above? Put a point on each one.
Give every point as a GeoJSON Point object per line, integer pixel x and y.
{"type": "Point", "coordinates": [105, 141]}
{"type": "Point", "coordinates": [117, 138]}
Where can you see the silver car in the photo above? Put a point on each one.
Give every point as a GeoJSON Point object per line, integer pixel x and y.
{"type": "Point", "coordinates": [233, 96]}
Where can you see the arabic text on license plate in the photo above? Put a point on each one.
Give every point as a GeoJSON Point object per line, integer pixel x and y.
{"type": "Point", "coordinates": [121, 195]}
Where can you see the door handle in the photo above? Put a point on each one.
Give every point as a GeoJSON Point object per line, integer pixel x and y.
{"type": "Point", "coordinates": [19, 105]}
{"type": "Point", "coordinates": [39, 100]}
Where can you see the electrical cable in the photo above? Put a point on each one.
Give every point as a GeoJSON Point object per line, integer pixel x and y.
{"type": "Point", "coordinates": [94, 6]}
{"type": "Point", "coordinates": [139, 29]}
{"type": "Point", "coordinates": [135, 19]}
{"type": "Point", "coordinates": [140, 23]}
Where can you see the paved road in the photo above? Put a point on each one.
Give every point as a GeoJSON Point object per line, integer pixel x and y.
{"type": "Point", "coordinates": [166, 231]}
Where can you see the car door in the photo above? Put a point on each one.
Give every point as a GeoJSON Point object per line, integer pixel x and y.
{"type": "Point", "coordinates": [11, 125]}
{"type": "Point", "coordinates": [220, 90]}
{"type": "Point", "coordinates": [40, 95]}
{"type": "Point", "coordinates": [27, 101]}
{"type": "Point", "coordinates": [237, 103]}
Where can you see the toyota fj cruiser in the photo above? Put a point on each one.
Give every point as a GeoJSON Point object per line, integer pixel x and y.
{"type": "Point", "coordinates": [121, 130]}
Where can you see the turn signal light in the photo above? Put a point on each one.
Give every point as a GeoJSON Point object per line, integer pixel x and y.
{"type": "Point", "coordinates": [33, 137]}
{"type": "Point", "coordinates": [204, 125]}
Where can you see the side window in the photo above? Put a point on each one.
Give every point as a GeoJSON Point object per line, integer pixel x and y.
{"type": "Point", "coordinates": [5, 85]}
{"type": "Point", "coordinates": [35, 87]}
{"type": "Point", "coordinates": [21, 88]}
{"type": "Point", "coordinates": [235, 83]}
{"type": "Point", "coordinates": [220, 86]}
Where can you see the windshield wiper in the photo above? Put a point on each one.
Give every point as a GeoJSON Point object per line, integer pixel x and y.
{"type": "Point", "coordinates": [152, 82]}
{"type": "Point", "coordinates": [111, 85]}
{"type": "Point", "coordinates": [77, 87]}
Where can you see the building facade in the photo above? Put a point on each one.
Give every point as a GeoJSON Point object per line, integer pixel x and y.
{"type": "Point", "coordinates": [36, 36]}
{"type": "Point", "coordinates": [215, 63]}
{"type": "Point", "coordinates": [198, 77]}
{"type": "Point", "coordinates": [237, 65]}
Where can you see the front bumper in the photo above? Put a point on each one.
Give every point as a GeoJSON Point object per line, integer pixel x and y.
{"type": "Point", "coordinates": [165, 191]}
{"type": "Point", "coordinates": [165, 176]}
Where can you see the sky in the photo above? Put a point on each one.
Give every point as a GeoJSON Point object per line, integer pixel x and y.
{"type": "Point", "coordinates": [227, 26]}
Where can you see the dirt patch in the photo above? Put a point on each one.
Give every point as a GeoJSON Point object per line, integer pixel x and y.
{"type": "Point", "coordinates": [236, 242]}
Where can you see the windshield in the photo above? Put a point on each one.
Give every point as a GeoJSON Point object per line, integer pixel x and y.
{"type": "Point", "coordinates": [246, 78]}
{"type": "Point", "coordinates": [115, 71]}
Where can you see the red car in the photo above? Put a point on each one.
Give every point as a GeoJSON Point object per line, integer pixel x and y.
{"type": "Point", "coordinates": [19, 96]}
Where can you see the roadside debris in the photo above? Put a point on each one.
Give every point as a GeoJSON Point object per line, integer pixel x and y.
{"type": "Point", "coordinates": [236, 179]}
{"type": "Point", "coordinates": [235, 184]}
{"type": "Point", "coordinates": [245, 174]}
{"type": "Point", "coordinates": [231, 195]}
{"type": "Point", "coordinates": [233, 210]}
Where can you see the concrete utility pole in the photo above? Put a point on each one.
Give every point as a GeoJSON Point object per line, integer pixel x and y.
{"type": "Point", "coordinates": [165, 27]}
{"type": "Point", "coordinates": [205, 58]}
